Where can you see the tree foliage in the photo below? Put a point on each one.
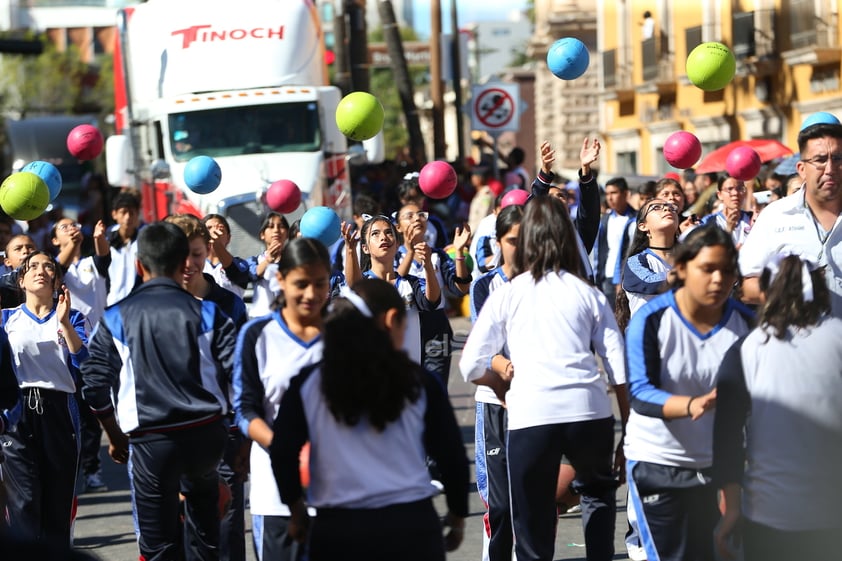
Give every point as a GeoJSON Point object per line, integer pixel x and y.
{"type": "Point", "coordinates": [54, 82]}
{"type": "Point", "coordinates": [383, 85]}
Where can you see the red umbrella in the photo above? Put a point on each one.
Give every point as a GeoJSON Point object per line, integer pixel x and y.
{"type": "Point", "coordinates": [767, 150]}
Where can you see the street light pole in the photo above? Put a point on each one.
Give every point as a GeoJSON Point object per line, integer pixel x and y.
{"type": "Point", "coordinates": [456, 65]}
{"type": "Point", "coordinates": [436, 86]}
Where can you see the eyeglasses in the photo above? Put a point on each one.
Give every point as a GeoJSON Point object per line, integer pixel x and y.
{"type": "Point", "coordinates": [658, 207]}
{"type": "Point", "coordinates": [67, 226]}
{"type": "Point", "coordinates": [820, 161]}
{"type": "Point", "coordinates": [422, 214]}
{"type": "Point", "coordinates": [739, 189]}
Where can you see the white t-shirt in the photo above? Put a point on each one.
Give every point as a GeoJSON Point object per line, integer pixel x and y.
{"type": "Point", "coordinates": [787, 225]}
{"type": "Point", "coordinates": [550, 327]}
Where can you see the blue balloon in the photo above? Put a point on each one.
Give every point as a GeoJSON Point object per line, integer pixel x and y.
{"type": "Point", "coordinates": [820, 118]}
{"type": "Point", "coordinates": [568, 58]}
{"type": "Point", "coordinates": [202, 174]}
{"type": "Point", "coordinates": [49, 173]}
{"type": "Point", "coordinates": [321, 223]}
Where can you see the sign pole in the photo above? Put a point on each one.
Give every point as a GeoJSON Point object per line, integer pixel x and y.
{"type": "Point", "coordinates": [495, 164]}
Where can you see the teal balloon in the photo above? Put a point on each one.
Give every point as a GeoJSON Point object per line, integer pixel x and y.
{"type": "Point", "coordinates": [49, 173]}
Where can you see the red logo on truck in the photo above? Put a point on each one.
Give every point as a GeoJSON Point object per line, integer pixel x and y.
{"type": "Point", "coordinates": [204, 34]}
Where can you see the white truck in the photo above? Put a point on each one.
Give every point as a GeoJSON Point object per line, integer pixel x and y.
{"type": "Point", "coordinates": [242, 82]}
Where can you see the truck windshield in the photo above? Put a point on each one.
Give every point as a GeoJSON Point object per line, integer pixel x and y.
{"type": "Point", "coordinates": [255, 129]}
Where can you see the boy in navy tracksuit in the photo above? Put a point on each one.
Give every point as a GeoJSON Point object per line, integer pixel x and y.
{"type": "Point", "coordinates": [169, 357]}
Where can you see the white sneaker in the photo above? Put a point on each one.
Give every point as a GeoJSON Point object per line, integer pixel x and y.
{"type": "Point", "coordinates": [636, 553]}
{"type": "Point", "coordinates": [94, 483]}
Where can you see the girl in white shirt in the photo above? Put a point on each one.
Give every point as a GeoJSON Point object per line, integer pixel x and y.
{"type": "Point", "coordinates": [274, 231]}
{"type": "Point", "coordinates": [777, 440]}
{"type": "Point", "coordinates": [550, 319]}
{"type": "Point", "coordinates": [47, 341]}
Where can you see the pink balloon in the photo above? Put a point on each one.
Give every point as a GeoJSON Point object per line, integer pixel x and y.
{"type": "Point", "coordinates": [682, 150]}
{"type": "Point", "coordinates": [283, 196]}
{"type": "Point", "coordinates": [514, 197]}
{"type": "Point", "coordinates": [437, 180]}
{"type": "Point", "coordinates": [85, 142]}
{"type": "Point", "coordinates": [743, 163]}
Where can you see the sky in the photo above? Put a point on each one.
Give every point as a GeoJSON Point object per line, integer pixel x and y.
{"type": "Point", "coordinates": [469, 11]}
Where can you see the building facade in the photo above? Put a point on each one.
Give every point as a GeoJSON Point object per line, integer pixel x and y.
{"type": "Point", "coordinates": [788, 66]}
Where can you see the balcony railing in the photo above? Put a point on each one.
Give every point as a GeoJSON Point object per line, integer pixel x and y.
{"type": "Point", "coordinates": [609, 69]}
{"type": "Point", "coordinates": [809, 28]}
{"type": "Point", "coordinates": [616, 69]}
{"type": "Point", "coordinates": [754, 34]}
{"type": "Point", "coordinates": [657, 59]}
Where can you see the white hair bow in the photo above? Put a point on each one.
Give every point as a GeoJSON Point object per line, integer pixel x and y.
{"type": "Point", "coordinates": [355, 299]}
{"type": "Point", "coordinates": [774, 266]}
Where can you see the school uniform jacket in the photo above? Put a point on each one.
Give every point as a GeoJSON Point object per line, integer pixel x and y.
{"type": "Point", "coordinates": [169, 355]}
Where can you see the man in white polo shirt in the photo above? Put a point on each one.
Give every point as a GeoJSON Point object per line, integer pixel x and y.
{"type": "Point", "coordinates": [809, 222]}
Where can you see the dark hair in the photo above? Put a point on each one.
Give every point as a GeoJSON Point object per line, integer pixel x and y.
{"type": "Point", "coordinates": [639, 242]}
{"type": "Point", "coordinates": [365, 258]}
{"type": "Point", "coordinates": [618, 182]}
{"type": "Point", "coordinates": [162, 248]}
{"type": "Point", "coordinates": [407, 185]}
{"type": "Point", "coordinates": [268, 220]}
{"type": "Point", "coordinates": [664, 181]}
{"type": "Point", "coordinates": [364, 204]}
{"type": "Point", "coordinates": [723, 178]}
{"type": "Point", "coordinates": [785, 305]}
{"type": "Point", "coordinates": [126, 199]}
{"type": "Point", "coordinates": [294, 230]}
{"type": "Point", "coordinates": [191, 226]}
{"type": "Point", "coordinates": [707, 235]}
{"type": "Point", "coordinates": [363, 374]}
{"type": "Point", "coordinates": [24, 267]}
{"type": "Point", "coordinates": [219, 218]}
{"type": "Point", "coordinates": [547, 240]}
{"type": "Point", "coordinates": [300, 252]}
{"type": "Point", "coordinates": [509, 217]}
{"type": "Point", "coordinates": [517, 156]}
{"type": "Point", "coordinates": [819, 130]}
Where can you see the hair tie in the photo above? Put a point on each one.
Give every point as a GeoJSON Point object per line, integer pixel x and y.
{"type": "Point", "coordinates": [774, 266]}
{"type": "Point", "coordinates": [411, 176]}
{"type": "Point", "coordinates": [355, 299]}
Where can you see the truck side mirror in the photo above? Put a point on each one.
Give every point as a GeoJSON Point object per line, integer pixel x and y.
{"type": "Point", "coordinates": [118, 160]}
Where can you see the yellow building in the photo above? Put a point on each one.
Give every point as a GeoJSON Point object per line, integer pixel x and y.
{"type": "Point", "coordinates": [788, 67]}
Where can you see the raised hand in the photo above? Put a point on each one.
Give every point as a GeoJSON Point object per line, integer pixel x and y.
{"type": "Point", "coordinates": [462, 238]}
{"type": "Point", "coordinates": [589, 153]}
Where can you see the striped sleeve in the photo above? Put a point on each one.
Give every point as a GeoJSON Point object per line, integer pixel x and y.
{"type": "Point", "coordinates": [639, 278]}
{"type": "Point", "coordinates": [643, 362]}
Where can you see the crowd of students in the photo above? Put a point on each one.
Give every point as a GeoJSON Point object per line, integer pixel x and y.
{"type": "Point", "coordinates": [719, 336]}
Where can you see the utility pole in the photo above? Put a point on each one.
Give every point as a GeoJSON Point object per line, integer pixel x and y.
{"type": "Point", "coordinates": [456, 65]}
{"type": "Point", "coordinates": [342, 72]}
{"type": "Point", "coordinates": [391, 34]}
{"type": "Point", "coordinates": [358, 45]}
{"type": "Point", "coordinates": [436, 85]}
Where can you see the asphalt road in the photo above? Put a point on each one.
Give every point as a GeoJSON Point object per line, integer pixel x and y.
{"type": "Point", "coordinates": [104, 521]}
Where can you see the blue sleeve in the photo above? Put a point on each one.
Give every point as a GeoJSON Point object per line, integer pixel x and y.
{"type": "Point", "coordinates": [733, 405]}
{"type": "Point", "coordinates": [448, 274]}
{"type": "Point", "coordinates": [252, 264]}
{"type": "Point", "coordinates": [639, 278]}
{"type": "Point", "coordinates": [587, 216]}
{"type": "Point", "coordinates": [643, 363]}
{"type": "Point", "coordinates": [10, 394]}
{"type": "Point", "coordinates": [479, 293]}
{"type": "Point", "coordinates": [78, 321]}
{"type": "Point", "coordinates": [238, 272]}
{"type": "Point", "coordinates": [248, 388]}
{"type": "Point", "coordinates": [541, 185]}
{"type": "Point", "coordinates": [419, 291]}
{"type": "Point", "coordinates": [484, 251]}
